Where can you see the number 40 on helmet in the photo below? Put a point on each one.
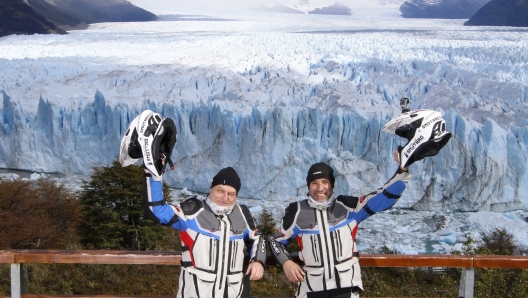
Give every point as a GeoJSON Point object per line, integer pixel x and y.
{"type": "Point", "coordinates": [425, 131]}
{"type": "Point", "coordinates": [151, 137]}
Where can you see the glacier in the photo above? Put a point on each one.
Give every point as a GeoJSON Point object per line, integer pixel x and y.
{"type": "Point", "coordinates": [270, 94]}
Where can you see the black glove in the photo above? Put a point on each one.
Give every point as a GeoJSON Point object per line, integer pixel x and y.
{"type": "Point", "coordinates": [163, 144]}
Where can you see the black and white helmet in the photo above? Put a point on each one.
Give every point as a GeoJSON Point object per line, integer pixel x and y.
{"type": "Point", "coordinates": [425, 131]}
{"type": "Point", "coordinates": [151, 137]}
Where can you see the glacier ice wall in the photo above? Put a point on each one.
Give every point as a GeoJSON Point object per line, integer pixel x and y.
{"type": "Point", "coordinates": [271, 104]}
{"type": "Point", "coordinates": [483, 167]}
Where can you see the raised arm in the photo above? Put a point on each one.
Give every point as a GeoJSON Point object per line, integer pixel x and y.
{"type": "Point", "coordinates": [381, 199]}
{"type": "Point", "coordinates": [155, 205]}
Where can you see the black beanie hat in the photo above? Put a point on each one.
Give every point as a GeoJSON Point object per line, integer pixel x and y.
{"type": "Point", "coordinates": [320, 170]}
{"type": "Point", "coordinates": [227, 176]}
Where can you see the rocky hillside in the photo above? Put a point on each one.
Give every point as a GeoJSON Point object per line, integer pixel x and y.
{"type": "Point", "coordinates": [501, 13]}
{"type": "Point", "coordinates": [443, 9]}
{"type": "Point", "coordinates": [56, 16]}
{"type": "Point", "coordinates": [97, 11]}
{"type": "Point", "coordinates": [16, 17]}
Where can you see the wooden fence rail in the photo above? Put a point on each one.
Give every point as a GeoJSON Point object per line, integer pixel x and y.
{"type": "Point", "coordinates": [18, 257]}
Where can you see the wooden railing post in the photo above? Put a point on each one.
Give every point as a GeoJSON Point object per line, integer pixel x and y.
{"type": "Point", "coordinates": [17, 280]}
{"type": "Point", "coordinates": [467, 283]}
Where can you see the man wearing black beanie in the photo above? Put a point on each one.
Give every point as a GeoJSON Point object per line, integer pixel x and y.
{"type": "Point", "coordinates": [213, 233]}
{"type": "Point", "coordinates": [224, 190]}
{"type": "Point", "coordinates": [325, 227]}
{"type": "Point", "coordinates": [227, 176]}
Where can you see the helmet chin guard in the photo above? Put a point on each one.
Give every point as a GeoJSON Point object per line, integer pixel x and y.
{"type": "Point", "coordinates": [425, 131]}
{"type": "Point", "coordinates": [151, 137]}
{"type": "Point", "coordinates": [130, 150]}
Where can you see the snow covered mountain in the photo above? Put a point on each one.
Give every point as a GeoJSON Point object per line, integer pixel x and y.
{"type": "Point", "coordinates": [310, 5]}
{"type": "Point", "coordinates": [336, 9]}
{"type": "Point", "coordinates": [379, 8]}
{"type": "Point", "coordinates": [441, 9]}
{"type": "Point", "coordinates": [270, 95]}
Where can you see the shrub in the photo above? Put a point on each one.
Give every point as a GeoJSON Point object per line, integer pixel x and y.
{"type": "Point", "coordinates": [37, 214]}
{"type": "Point", "coordinates": [113, 216]}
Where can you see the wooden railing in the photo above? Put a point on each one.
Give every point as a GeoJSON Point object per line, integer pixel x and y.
{"type": "Point", "coordinates": [468, 263]}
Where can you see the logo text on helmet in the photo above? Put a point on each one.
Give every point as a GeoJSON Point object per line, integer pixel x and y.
{"type": "Point", "coordinates": [438, 128]}
{"type": "Point", "coordinates": [147, 150]}
{"type": "Point", "coordinates": [413, 145]}
{"type": "Point", "coordinates": [431, 121]}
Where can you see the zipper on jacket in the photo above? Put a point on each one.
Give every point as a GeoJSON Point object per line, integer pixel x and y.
{"type": "Point", "coordinates": [314, 248]}
{"type": "Point", "coordinates": [234, 253]}
{"type": "Point", "coordinates": [338, 243]}
{"type": "Point", "coordinates": [326, 238]}
{"type": "Point", "coordinates": [224, 235]}
{"type": "Point", "coordinates": [210, 252]}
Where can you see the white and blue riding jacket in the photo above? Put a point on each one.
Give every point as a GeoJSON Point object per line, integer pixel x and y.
{"type": "Point", "coordinates": [212, 245]}
{"type": "Point", "coordinates": [327, 236]}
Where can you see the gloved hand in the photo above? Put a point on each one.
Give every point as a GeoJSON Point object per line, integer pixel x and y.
{"type": "Point", "coordinates": [397, 158]}
{"type": "Point", "coordinates": [163, 143]}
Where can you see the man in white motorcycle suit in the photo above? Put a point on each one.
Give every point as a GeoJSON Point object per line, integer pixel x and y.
{"type": "Point", "coordinates": [325, 226]}
{"type": "Point", "coordinates": [215, 232]}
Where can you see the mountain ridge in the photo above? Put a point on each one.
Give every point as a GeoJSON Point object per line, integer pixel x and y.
{"type": "Point", "coordinates": [501, 13]}
{"type": "Point", "coordinates": [16, 17]}
{"type": "Point", "coordinates": [57, 16]}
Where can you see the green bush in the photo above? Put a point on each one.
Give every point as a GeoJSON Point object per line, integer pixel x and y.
{"type": "Point", "coordinates": [408, 282]}
{"type": "Point", "coordinates": [5, 281]}
{"type": "Point", "coordinates": [273, 284]}
{"type": "Point", "coordinates": [112, 212]}
{"type": "Point", "coordinates": [87, 279]}
{"type": "Point", "coordinates": [492, 282]}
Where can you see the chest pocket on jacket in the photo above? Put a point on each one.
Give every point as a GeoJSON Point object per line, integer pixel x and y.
{"type": "Point", "coordinates": [236, 259]}
{"type": "Point", "coordinates": [343, 243]}
{"type": "Point", "coordinates": [311, 252]}
{"type": "Point", "coordinates": [206, 252]}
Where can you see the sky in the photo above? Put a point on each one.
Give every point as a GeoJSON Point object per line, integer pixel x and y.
{"type": "Point", "coordinates": [231, 4]}
{"type": "Point", "coordinates": [175, 4]}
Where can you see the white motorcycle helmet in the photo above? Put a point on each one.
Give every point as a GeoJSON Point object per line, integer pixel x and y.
{"type": "Point", "coordinates": [151, 137]}
{"type": "Point", "coordinates": [425, 131]}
